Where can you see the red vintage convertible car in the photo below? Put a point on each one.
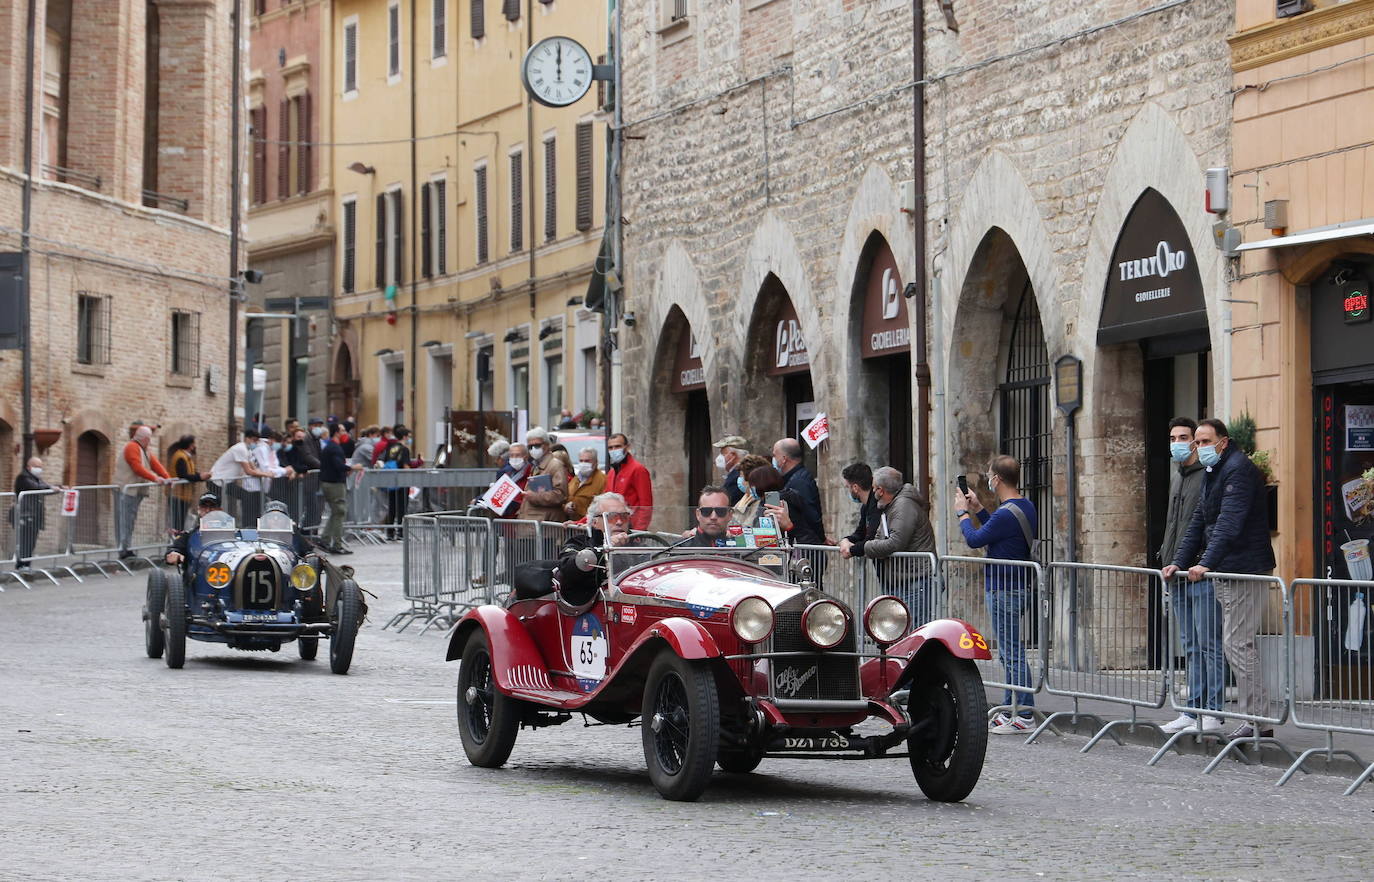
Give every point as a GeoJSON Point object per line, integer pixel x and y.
{"type": "Point", "coordinates": [725, 661]}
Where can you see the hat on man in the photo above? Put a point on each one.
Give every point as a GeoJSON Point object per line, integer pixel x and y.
{"type": "Point", "coordinates": [208, 500]}
{"type": "Point", "coordinates": [734, 441]}
{"type": "Point", "coordinates": [316, 421]}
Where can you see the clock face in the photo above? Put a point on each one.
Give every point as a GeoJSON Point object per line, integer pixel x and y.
{"type": "Point", "coordinates": [557, 71]}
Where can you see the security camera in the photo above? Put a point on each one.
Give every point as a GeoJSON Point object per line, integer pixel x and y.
{"type": "Point", "coordinates": [629, 319]}
{"type": "Point", "coordinates": [252, 276]}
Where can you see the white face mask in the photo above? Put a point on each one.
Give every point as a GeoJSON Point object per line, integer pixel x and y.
{"type": "Point", "coordinates": [536, 452]}
{"type": "Point", "coordinates": [36, 471]}
{"type": "Point", "coordinates": [583, 470]}
{"type": "Point", "coordinates": [720, 462]}
{"type": "Point", "coordinates": [517, 462]}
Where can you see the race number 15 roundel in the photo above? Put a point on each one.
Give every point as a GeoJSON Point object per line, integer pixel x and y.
{"type": "Point", "coordinates": [557, 71]}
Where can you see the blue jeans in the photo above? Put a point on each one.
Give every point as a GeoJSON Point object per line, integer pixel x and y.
{"type": "Point", "coordinates": [1006, 605]}
{"type": "Point", "coordinates": [1199, 626]}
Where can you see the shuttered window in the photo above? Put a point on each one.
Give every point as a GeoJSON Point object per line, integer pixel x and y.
{"type": "Point", "coordinates": [393, 40]}
{"type": "Point", "coordinates": [511, 10]}
{"type": "Point", "coordinates": [550, 189]}
{"type": "Point", "coordinates": [258, 120]}
{"type": "Point", "coordinates": [284, 151]}
{"type": "Point", "coordinates": [350, 65]}
{"type": "Point", "coordinates": [439, 193]}
{"type": "Point", "coordinates": [350, 246]}
{"type": "Point", "coordinates": [517, 201]}
{"type": "Point", "coordinates": [426, 268]}
{"type": "Point", "coordinates": [303, 152]}
{"type": "Point", "coordinates": [479, 199]}
{"type": "Point", "coordinates": [381, 241]}
{"type": "Point", "coordinates": [584, 176]}
{"type": "Point", "coordinates": [479, 19]}
{"type": "Point", "coordinates": [398, 238]}
{"type": "Point", "coordinates": [439, 46]}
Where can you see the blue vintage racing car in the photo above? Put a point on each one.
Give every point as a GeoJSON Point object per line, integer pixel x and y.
{"type": "Point", "coordinates": [252, 589]}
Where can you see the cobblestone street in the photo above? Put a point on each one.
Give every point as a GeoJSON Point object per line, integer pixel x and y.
{"type": "Point", "coordinates": [262, 766]}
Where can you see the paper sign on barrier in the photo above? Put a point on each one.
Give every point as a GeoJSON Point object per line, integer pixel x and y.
{"type": "Point", "coordinates": [817, 430]}
{"type": "Point", "coordinates": [501, 494]}
{"type": "Point", "coordinates": [71, 499]}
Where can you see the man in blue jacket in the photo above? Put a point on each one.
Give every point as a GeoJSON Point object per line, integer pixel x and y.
{"type": "Point", "coordinates": [1010, 591]}
{"type": "Point", "coordinates": [1229, 533]}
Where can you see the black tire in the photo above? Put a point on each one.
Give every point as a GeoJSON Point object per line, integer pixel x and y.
{"type": "Point", "coordinates": [681, 726]}
{"type": "Point", "coordinates": [154, 601]}
{"type": "Point", "coordinates": [488, 721]}
{"type": "Point", "coordinates": [347, 619]}
{"type": "Point", "coordinates": [949, 735]}
{"type": "Point", "coordinates": [174, 614]}
{"type": "Point", "coordinates": [309, 647]}
{"type": "Point", "coordinates": [739, 761]}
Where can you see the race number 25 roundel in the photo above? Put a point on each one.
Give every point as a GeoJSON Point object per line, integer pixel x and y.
{"type": "Point", "coordinates": [587, 650]}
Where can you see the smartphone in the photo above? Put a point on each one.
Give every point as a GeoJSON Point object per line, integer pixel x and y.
{"type": "Point", "coordinates": [963, 485]}
{"type": "Point", "coordinates": [772, 497]}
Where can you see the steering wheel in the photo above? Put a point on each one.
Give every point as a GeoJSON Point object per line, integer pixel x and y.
{"type": "Point", "coordinates": [649, 537]}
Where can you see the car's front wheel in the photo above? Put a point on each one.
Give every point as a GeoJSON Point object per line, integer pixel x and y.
{"type": "Point", "coordinates": [949, 734]}
{"type": "Point", "coordinates": [681, 726]}
{"type": "Point", "coordinates": [154, 600]}
{"type": "Point", "coordinates": [488, 721]}
{"type": "Point", "coordinates": [348, 611]}
{"type": "Point", "coordinates": [174, 612]}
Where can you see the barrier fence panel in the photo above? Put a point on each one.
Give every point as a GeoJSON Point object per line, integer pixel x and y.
{"type": "Point", "coordinates": [8, 516]}
{"type": "Point", "coordinates": [1224, 615]}
{"type": "Point", "coordinates": [41, 533]}
{"type": "Point", "coordinates": [420, 571]}
{"type": "Point", "coordinates": [552, 537]}
{"type": "Point", "coordinates": [1003, 600]}
{"type": "Point", "coordinates": [467, 555]}
{"type": "Point", "coordinates": [94, 537]}
{"type": "Point", "coordinates": [1103, 645]}
{"type": "Point", "coordinates": [517, 542]}
{"type": "Point", "coordinates": [141, 511]}
{"type": "Point", "coordinates": [1331, 669]}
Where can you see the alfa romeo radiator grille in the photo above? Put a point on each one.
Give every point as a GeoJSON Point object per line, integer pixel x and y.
{"type": "Point", "coordinates": [816, 675]}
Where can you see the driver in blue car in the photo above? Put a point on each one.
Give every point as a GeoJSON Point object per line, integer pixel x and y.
{"type": "Point", "coordinates": [579, 585]}
{"type": "Point", "coordinates": [181, 542]}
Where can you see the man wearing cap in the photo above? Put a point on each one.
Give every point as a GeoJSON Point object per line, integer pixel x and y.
{"type": "Point", "coordinates": [732, 450]}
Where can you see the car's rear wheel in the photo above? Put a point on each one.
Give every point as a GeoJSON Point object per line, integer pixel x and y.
{"type": "Point", "coordinates": [154, 600]}
{"type": "Point", "coordinates": [681, 726]}
{"type": "Point", "coordinates": [949, 734]}
{"type": "Point", "coordinates": [347, 618]}
{"type": "Point", "coordinates": [308, 647]}
{"type": "Point", "coordinates": [740, 761]}
{"type": "Point", "coordinates": [488, 721]}
{"type": "Point", "coordinates": [174, 613]}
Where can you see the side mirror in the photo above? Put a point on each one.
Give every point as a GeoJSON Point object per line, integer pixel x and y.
{"type": "Point", "coordinates": [586, 560]}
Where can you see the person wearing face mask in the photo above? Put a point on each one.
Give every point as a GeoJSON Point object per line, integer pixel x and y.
{"type": "Point", "coordinates": [543, 503]}
{"type": "Point", "coordinates": [903, 525]}
{"type": "Point", "coordinates": [732, 450]}
{"type": "Point", "coordinates": [27, 515]}
{"type": "Point", "coordinates": [747, 509]}
{"type": "Point", "coordinates": [314, 435]}
{"type": "Point", "coordinates": [1194, 603]}
{"type": "Point", "coordinates": [1008, 534]}
{"type": "Point", "coordinates": [181, 462]}
{"type": "Point", "coordinates": [588, 482]}
{"type": "Point", "coordinates": [787, 459]}
{"type": "Point", "coordinates": [1229, 533]}
{"type": "Point", "coordinates": [858, 483]}
{"type": "Point", "coordinates": [630, 479]}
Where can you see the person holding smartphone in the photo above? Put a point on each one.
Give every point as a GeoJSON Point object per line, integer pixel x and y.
{"type": "Point", "coordinates": [794, 517]}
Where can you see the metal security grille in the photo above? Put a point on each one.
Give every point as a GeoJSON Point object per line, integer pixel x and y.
{"type": "Point", "coordinates": [92, 328]}
{"type": "Point", "coordinates": [185, 348]}
{"type": "Point", "coordinates": [1025, 426]}
{"type": "Point", "coordinates": [679, 10]}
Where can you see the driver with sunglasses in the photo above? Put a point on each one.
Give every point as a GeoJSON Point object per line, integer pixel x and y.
{"type": "Point", "coordinates": [713, 516]}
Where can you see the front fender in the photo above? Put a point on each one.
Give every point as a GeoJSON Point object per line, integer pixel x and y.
{"type": "Point", "coordinates": [511, 646]}
{"type": "Point", "coordinates": [879, 677]}
{"type": "Point", "coordinates": [688, 639]}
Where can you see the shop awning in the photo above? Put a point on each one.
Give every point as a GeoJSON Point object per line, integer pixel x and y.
{"type": "Point", "coordinates": [1350, 230]}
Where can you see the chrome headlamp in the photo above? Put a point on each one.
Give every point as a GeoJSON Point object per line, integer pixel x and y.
{"type": "Point", "coordinates": [824, 624]}
{"type": "Point", "coordinates": [752, 619]}
{"type": "Point", "coordinates": [886, 619]}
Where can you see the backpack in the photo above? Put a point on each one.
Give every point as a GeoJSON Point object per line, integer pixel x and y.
{"type": "Point", "coordinates": [1026, 530]}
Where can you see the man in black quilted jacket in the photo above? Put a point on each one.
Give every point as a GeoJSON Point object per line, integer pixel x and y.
{"type": "Point", "coordinates": [1229, 533]}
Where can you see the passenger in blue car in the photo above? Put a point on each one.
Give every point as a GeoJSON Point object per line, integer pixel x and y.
{"type": "Point", "coordinates": [181, 542]}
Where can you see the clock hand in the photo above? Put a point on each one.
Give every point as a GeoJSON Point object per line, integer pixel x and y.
{"type": "Point", "coordinates": [558, 61]}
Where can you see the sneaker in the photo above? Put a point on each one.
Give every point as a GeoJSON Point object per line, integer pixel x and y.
{"type": "Point", "coordinates": [1001, 718]}
{"type": "Point", "coordinates": [1183, 722]}
{"type": "Point", "coordinates": [1245, 730]}
{"type": "Point", "coordinates": [1014, 726]}
{"type": "Point", "coordinates": [1213, 724]}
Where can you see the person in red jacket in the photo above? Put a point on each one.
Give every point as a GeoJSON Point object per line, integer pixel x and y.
{"type": "Point", "coordinates": [630, 479]}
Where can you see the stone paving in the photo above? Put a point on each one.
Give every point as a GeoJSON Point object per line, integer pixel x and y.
{"type": "Point", "coordinates": [262, 766]}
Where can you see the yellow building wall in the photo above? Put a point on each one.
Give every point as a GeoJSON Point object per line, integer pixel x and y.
{"type": "Point", "coordinates": [470, 108]}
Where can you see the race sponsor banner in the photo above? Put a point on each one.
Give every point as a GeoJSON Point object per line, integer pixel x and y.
{"type": "Point", "coordinates": [501, 494]}
{"type": "Point", "coordinates": [816, 431]}
{"type": "Point", "coordinates": [71, 499]}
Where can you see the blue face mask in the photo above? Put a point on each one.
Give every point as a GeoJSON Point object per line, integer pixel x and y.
{"type": "Point", "coordinates": [1208, 455]}
{"type": "Point", "coordinates": [855, 499]}
{"type": "Point", "coordinates": [1179, 451]}
{"type": "Point", "coordinates": [276, 445]}
{"type": "Point", "coordinates": [743, 487]}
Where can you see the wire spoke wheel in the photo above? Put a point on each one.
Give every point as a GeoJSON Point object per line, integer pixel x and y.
{"type": "Point", "coordinates": [680, 725]}
{"type": "Point", "coordinates": [488, 721]}
{"type": "Point", "coordinates": [675, 727]}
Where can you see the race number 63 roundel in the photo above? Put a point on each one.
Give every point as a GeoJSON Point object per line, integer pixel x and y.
{"type": "Point", "coordinates": [557, 71]}
{"type": "Point", "coordinates": [587, 650]}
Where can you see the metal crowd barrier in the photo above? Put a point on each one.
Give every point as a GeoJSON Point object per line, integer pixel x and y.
{"type": "Point", "coordinates": [420, 571]}
{"type": "Point", "coordinates": [1331, 671]}
{"type": "Point", "coordinates": [466, 552]}
{"type": "Point", "coordinates": [1098, 650]}
{"type": "Point", "coordinates": [1003, 600]}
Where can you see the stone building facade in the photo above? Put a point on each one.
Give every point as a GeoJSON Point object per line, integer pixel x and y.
{"type": "Point", "coordinates": [130, 275]}
{"type": "Point", "coordinates": [770, 143]}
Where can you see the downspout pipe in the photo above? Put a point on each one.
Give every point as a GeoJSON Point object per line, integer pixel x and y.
{"type": "Point", "coordinates": [414, 236]}
{"type": "Point", "coordinates": [921, 364]}
{"type": "Point", "coordinates": [26, 284]}
{"type": "Point", "coordinates": [235, 284]}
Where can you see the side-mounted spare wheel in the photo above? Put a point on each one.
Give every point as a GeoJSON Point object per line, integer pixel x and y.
{"type": "Point", "coordinates": [155, 598]}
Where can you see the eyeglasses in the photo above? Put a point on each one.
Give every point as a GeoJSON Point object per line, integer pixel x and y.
{"type": "Point", "coordinates": [616, 514]}
{"type": "Point", "coordinates": [713, 511]}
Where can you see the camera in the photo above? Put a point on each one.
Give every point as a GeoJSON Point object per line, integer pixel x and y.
{"type": "Point", "coordinates": [629, 319]}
